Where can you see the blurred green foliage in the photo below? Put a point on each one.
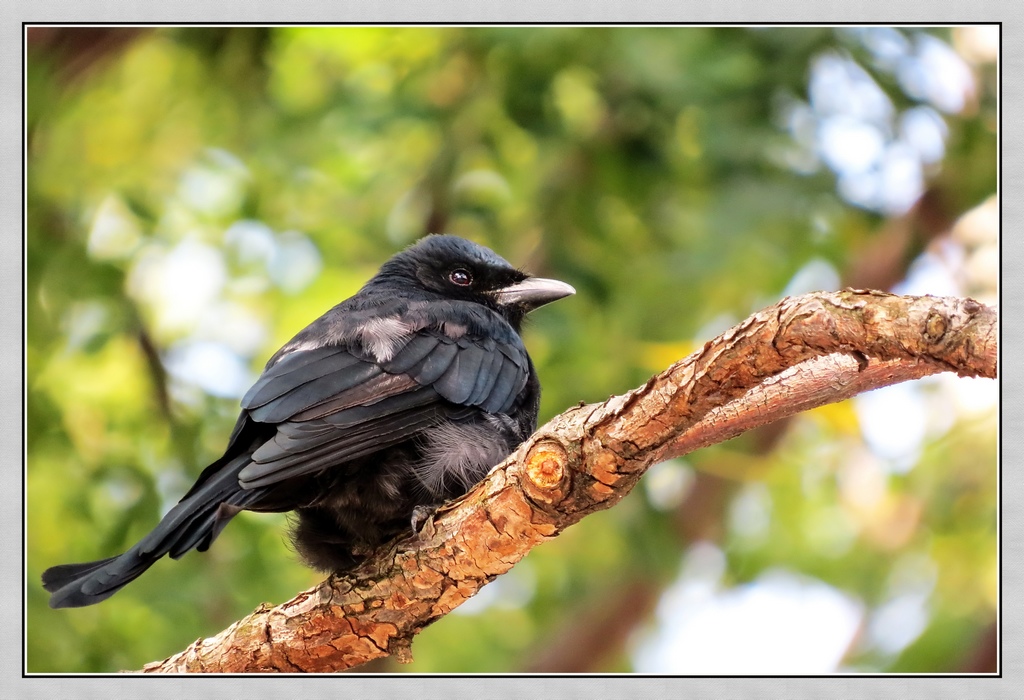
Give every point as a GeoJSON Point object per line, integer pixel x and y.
{"type": "Point", "coordinates": [653, 168]}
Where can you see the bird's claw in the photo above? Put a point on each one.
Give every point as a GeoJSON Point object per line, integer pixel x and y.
{"type": "Point", "coordinates": [422, 521]}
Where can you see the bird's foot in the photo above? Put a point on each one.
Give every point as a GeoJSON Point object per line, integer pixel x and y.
{"type": "Point", "coordinates": [422, 521]}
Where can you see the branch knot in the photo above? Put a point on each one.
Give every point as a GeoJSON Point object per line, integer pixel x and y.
{"type": "Point", "coordinates": [547, 473]}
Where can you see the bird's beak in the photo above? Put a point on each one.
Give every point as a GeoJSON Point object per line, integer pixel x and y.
{"type": "Point", "coordinates": [533, 292]}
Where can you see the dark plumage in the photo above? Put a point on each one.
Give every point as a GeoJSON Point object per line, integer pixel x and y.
{"type": "Point", "coordinates": [396, 399]}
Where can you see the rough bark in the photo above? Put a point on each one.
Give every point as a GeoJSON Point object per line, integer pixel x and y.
{"type": "Point", "coordinates": [798, 354]}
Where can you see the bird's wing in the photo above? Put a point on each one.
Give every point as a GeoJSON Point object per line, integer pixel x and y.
{"type": "Point", "coordinates": [333, 404]}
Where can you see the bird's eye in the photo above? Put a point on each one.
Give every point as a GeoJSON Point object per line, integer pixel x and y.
{"type": "Point", "coordinates": [460, 277]}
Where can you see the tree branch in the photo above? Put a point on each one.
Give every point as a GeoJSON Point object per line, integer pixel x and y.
{"type": "Point", "coordinates": [798, 354]}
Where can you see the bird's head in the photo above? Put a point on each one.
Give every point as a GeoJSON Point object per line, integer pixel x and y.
{"type": "Point", "coordinates": [454, 268]}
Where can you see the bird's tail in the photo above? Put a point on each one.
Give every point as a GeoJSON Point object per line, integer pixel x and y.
{"type": "Point", "coordinates": [193, 523]}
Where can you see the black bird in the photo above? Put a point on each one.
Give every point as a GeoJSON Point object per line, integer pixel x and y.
{"type": "Point", "coordinates": [395, 400]}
